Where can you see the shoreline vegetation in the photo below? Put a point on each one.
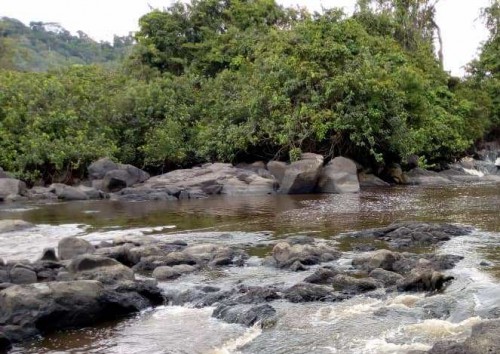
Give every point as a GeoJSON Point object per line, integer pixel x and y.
{"type": "Point", "coordinates": [244, 81]}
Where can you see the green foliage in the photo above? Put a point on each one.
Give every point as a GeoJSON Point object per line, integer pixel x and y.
{"type": "Point", "coordinates": [247, 79]}
{"type": "Point", "coordinates": [55, 121]}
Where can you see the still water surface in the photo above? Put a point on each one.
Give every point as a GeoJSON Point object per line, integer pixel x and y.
{"type": "Point", "coordinates": [394, 324]}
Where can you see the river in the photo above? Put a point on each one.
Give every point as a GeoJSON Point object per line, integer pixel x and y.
{"type": "Point", "coordinates": [397, 323]}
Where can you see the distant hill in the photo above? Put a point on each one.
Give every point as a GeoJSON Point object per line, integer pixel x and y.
{"type": "Point", "coordinates": [43, 46]}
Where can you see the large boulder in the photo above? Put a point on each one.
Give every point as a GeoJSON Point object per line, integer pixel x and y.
{"type": "Point", "coordinates": [70, 247]}
{"type": "Point", "coordinates": [301, 176]}
{"type": "Point", "coordinates": [200, 182]}
{"type": "Point", "coordinates": [367, 180]}
{"type": "Point", "coordinates": [113, 176]}
{"type": "Point", "coordinates": [37, 309]}
{"type": "Point", "coordinates": [22, 275]}
{"type": "Point", "coordinates": [11, 188]}
{"type": "Point", "coordinates": [339, 176]}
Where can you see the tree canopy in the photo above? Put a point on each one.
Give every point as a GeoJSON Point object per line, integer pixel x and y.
{"type": "Point", "coordinates": [237, 80]}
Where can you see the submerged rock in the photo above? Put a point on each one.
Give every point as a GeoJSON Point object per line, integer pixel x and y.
{"type": "Point", "coordinates": [483, 339]}
{"type": "Point", "coordinates": [14, 225]}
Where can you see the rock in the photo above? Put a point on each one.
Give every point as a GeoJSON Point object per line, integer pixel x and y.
{"type": "Point", "coordinates": [367, 180]}
{"type": "Point", "coordinates": [168, 273]}
{"type": "Point", "coordinates": [483, 339]}
{"type": "Point", "coordinates": [277, 169]}
{"type": "Point", "coordinates": [9, 225]}
{"type": "Point", "coordinates": [420, 176]}
{"type": "Point", "coordinates": [413, 234]}
{"type": "Point", "coordinates": [41, 308]}
{"type": "Point", "coordinates": [423, 280]}
{"type": "Point", "coordinates": [11, 188]}
{"type": "Point", "coordinates": [297, 267]}
{"type": "Point", "coordinates": [4, 276]}
{"type": "Point", "coordinates": [322, 276]}
{"type": "Point", "coordinates": [255, 295]}
{"type": "Point", "coordinates": [369, 261]}
{"type": "Point", "coordinates": [98, 169]}
{"type": "Point", "coordinates": [5, 344]}
{"type": "Point", "coordinates": [70, 247]}
{"type": "Point", "coordinates": [49, 254]}
{"type": "Point", "coordinates": [105, 270]}
{"type": "Point", "coordinates": [351, 285]}
{"type": "Point", "coordinates": [259, 167]}
{"type": "Point", "coordinates": [120, 253]}
{"type": "Point", "coordinates": [286, 255]}
{"type": "Point", "coordinates": [200, 182]}
{"type": "Point", "coordinates": [21, 275]}
{"type": "Point", "coordinates": [301, 176]}
{"type": "Point", "coordinates": [92, 193]}
{"type": "Point", "coordinates": [113, 176]}
{"type": "Point", "coordinates": [339, 176]}
{"type": "Point", "coordinates": [386, 277]}
{"type": "Point", "coordinates": [306, 292]}
{"type": "Point", "coordinates": [437, 306]}
{"type": "Point", "coordinates": [394, 174]}
{"type": "Point", "coordinates": [65, 192]}
{"type": "Point", "coordinates": [246, 315]}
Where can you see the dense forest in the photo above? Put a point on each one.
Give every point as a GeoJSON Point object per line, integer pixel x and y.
{"type": "Point", "coordinates": [240, 80]}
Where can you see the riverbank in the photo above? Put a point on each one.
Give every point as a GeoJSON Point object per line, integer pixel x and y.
{"type": "Point", "coordinates": [310, 174]}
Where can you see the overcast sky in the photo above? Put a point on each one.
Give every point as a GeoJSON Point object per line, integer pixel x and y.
{"type": "Point", "coordinates": [461, 29]}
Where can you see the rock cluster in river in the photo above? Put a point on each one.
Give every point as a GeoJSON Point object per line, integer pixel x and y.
{"type": "Point", "coordinates": [309, 174]}
{"type": "Point", "coordinates": [83, 284]}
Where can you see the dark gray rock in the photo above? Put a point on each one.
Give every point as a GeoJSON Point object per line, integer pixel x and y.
{"type": "Point", "coordinates": [246, 315]}
{"type": "Point", "coordinates": [322, 276]}
{"type": "Point", "coordinates": [413, 234]}
{"type": "Point", "coordinates": [367, 180]}
{"type": "Point", "coordinates": [419, 176]}
{"type": "Point", "coordinates": [70, 247]}
{"type": "Point", "coordinates": [301, 176]}
{"type": "Point", "coordinates": [306, 292]}
{"type": "Point", "coordinates": [423, 280]}
{"type": "Point", "coordinates": [49, 254]}
{"type": "Point", "coordinates": [38, 309]}
{"type": "Point", "coordinates": [386, 277]}
{"type": "Point", "coordinates": [21, 275]}
{"type": "Point", "coordinates": [351, 285]}
{"type": "Point", "coordinates": [339, 176]}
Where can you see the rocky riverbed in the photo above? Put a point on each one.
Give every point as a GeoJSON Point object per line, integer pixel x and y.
{"type": "Point", "coordinates": [84, 283]}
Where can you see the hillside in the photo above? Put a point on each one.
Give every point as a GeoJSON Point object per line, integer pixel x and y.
{"type": "Point", "coordinates": [44, 46]}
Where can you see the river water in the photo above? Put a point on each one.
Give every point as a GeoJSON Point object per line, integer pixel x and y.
{"type": "Point", "coordinates": [396, 323]}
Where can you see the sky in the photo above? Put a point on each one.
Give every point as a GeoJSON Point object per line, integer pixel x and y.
{"type": "Point", "coordinates": [462, 31]}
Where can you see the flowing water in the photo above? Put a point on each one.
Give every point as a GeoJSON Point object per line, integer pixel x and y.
{"type": "Point", "coordinates": [398, 323]}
